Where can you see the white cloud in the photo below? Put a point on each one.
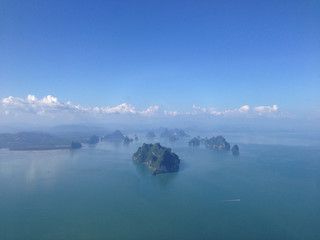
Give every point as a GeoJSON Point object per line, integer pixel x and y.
{"type": "Point", "coordinates": [49, 100]}
{"type": "Point", "coordinates": [122, 108]}
{"type": "Point", "coordinates": [266, 109]}
{"type": "Point", "coordinates": [198, 109]}
{"type": "Point", "coordinates": [213, 111]}
{"type": "Point", "coordinates": [275, 108]}
{"type": "Point", "coordinates": [244, 109]}
{"type": "Point", "coordinates": [170, 113]}
{"type": "Point", "coordinates": [31, 98]}
{"type": "Point", "coordinates": [152, 110]}
{"type": "Point", "coordinates": [50, 107]}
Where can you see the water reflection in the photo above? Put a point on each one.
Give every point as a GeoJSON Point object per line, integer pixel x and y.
{"type": "Point", "coordinates": [146, 174]}
{"type": "Point", "coordinates": [34, 168]}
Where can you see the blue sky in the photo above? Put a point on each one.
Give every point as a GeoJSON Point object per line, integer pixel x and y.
{"type": "Point", "coordinates": [171, 54]}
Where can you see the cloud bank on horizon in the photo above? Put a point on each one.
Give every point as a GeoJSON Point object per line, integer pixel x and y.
{"type": "Point", "coordinates": [49, 107]}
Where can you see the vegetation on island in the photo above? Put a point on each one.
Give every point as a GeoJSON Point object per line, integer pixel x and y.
{"type": "Point", "coordinates": [160, 159]}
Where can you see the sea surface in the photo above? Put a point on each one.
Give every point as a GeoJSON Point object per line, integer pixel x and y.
{"type": "Point", "coordinates": [270, 191]}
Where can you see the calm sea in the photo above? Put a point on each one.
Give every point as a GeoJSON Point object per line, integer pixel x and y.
{"type": "Point", "coordinates": [270, 191]}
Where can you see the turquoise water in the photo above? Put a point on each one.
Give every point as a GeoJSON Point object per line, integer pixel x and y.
{"type": "Point", "coordinates": [268, 192]}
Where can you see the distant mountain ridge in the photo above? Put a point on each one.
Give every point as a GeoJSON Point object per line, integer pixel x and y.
{"type": "Point", "coordinates": [32, 141]}
{"type": "Point", "coordinates": [170, 133]}
{"type": "Point", "coordinates": [115, 136]}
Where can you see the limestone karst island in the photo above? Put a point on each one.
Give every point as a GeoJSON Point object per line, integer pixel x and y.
{"type": "Point", "coordinates": [160, 159]}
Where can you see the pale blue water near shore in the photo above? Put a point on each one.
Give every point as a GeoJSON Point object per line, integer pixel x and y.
{"type": "Point", "coordinates": [99, 193]}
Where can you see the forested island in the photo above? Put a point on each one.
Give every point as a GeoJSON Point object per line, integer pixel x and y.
{"type": "Point", "coordinates": [160, 159]}
{"type": "Point", "coordinates": [218, 142]}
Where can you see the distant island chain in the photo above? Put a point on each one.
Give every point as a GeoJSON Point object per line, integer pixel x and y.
{"type": "Point", "coordinates": [158, 158]}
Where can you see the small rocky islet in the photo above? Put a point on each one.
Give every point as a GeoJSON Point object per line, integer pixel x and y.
{"type": "Point", "coordinates": [75, 145]}
{"type": "Point", "coordinates": [127, 140]}
{"type": "Point", "coordinates": [235, 150]}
